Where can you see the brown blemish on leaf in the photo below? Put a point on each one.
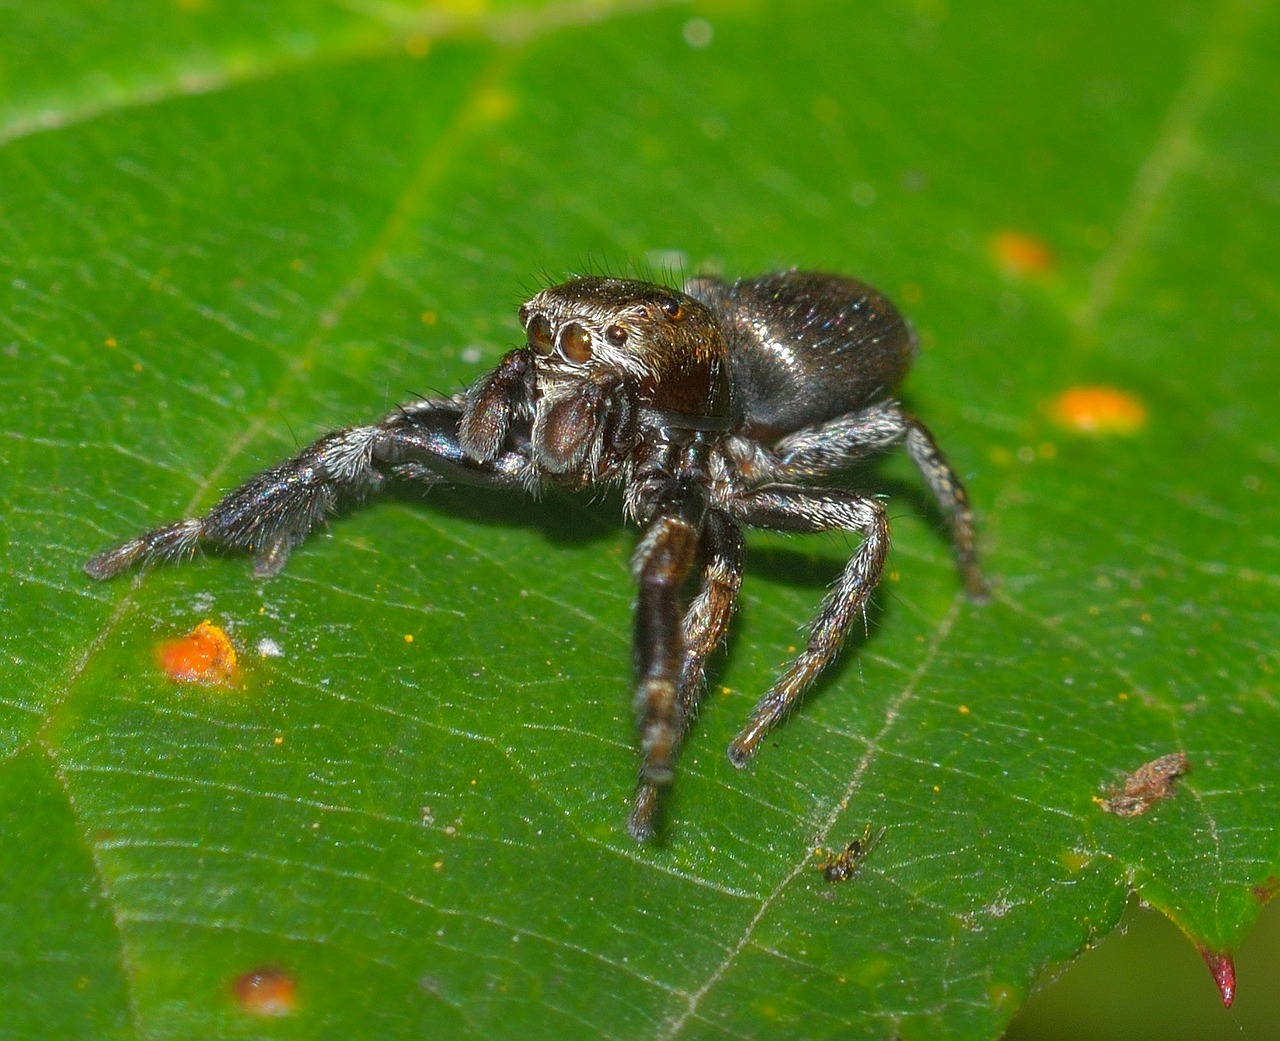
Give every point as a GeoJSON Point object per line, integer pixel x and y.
{"type": "Point", "coordinates": [1264, 891]}
{"type": "Point", "coordinates": [204, 655]}
{"type": "Point", "coordinates": [1099, 411]}
{"type": "Point", "coordinates": [1149, 783]}
{"type": "Point", "coordinates": [1223, 970]}
{"type": "Point", "coordinates": [267, 991]}
{"type": "Point", "coordinates": [1021, 254]}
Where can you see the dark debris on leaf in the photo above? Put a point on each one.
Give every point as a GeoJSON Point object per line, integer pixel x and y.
{"type": "Point", "coordinates": [1148, 784]}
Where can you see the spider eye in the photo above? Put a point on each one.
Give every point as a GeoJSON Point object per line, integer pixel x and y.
{"type": "Point", "coordinates": [616, 335]}
{"type": "Point", "coordinates": [539, 333]}
{"type": "Point", "coordinates": [673, 308]}
{"type": "Point", "coordinates": [575, 343]}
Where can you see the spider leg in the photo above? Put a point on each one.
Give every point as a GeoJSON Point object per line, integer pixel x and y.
{"type": "Point", "coordinates": [662, 562]}
{"type": "Point", "coordinates": [705, 623]}
{"type": "Point", "coordinates": [275, 509]}
{"type": "Point", "coordinates": [822, 450]}
{"type": "Point", "coordinates": [812, 510]}
{"type": "Point", "coordinates": [708, 616]}
{"type": "Point", "coordinates": [947, 488]}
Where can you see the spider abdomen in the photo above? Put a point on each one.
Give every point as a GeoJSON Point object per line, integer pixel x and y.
{"type": "Point", "coordinates": [805, 347]}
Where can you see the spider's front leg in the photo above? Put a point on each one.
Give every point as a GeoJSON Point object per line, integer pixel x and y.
{"type": "Point", "coordinates": [705, 623]}
{"type": "Point", "coordinates": [813, 510]}
{"type": "Point", "coordinates": [274, 510]}
{"type": "Point", "coordinates": [661, 564]}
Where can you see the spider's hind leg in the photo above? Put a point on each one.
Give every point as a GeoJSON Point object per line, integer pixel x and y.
{"type": "Point", "coordinates": [833, 446]}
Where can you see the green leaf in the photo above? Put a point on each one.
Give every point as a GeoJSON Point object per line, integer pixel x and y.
{"type": "Point", "coordinates": [228, 226]}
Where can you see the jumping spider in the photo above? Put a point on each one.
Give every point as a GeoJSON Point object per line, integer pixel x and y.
{"type": "Point", "coordinates": [727, 404]}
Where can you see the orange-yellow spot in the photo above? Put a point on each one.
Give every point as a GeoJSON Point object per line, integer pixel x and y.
{"type": "Point", "coordinates": [204, 655]}
{"type": "Point", "coordinates": [1099, 410]}
{"type": "Point", "coordinates": [430, 318]}
{"type": "Point", "coordinates": [964, 710]}
{"type": "Point", "coordinates": [495, 105]}
{"type": "Point", "coordinates": [110, 341]}
{"type": "Point", "coordinates": [408, 637]}
{"type": "Point", "coordinates": [267, 992]}
{"type": "Point", "coordinates": [1021, 254]}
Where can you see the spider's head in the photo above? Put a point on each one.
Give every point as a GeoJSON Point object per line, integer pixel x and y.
{"type": "Point", "coordinates": [601, 345]}
{"type": "Point", "coordinates": [666, 344]}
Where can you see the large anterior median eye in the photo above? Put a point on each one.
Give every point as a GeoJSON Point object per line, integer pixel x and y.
{"type": "Point", "coordinates": [539, 333]}
{"type": "Point", "coordinates": [575, 343]}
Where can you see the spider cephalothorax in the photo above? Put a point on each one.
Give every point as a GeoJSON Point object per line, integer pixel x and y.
{"type": "Point", "coordinates": [722, 406]}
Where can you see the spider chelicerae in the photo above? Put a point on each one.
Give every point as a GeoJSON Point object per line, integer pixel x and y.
{"type": "Point", "coordinates": [717, 407]}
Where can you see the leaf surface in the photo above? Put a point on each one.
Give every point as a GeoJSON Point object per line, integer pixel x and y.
{"type": "Point", "coordinates": [227, 227]}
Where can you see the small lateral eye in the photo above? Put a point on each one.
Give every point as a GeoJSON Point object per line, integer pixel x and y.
{"type": "Point", "coordinates": [575, 343]}
{"type": "Point", "coordinates": [673, 308]}
{"type": "Point", "coordinates": [616, 335]}
{"type": "Point", "coordinates": [539, 333]}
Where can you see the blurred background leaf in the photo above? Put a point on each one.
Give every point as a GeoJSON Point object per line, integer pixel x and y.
{"type": "Point", "coordinates": [228, 226]}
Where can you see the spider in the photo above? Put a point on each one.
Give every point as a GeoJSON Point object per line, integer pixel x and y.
{"type": "Point", "coordinates": [842, 865]}
{"type": "Point", "coordinates": [717, 407]}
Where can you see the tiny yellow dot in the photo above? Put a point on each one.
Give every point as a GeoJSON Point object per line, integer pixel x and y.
{"type": "Point", "coordinates": [278, 739]}
{"type": "Point", "coordinates": [964, 710]}
{"type": "Point", "coordinates": [408, 637]}
{"type": "Point", "coordinates": [430, 318]}
{"type": "Point", "coordinates": [110, 341]}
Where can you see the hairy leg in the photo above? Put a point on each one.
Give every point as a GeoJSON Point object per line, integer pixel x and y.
{"type": "Point", "coordinates": [812, 510]}
{"type": "Point", "coordinates": [274, 510]}
{"type": "Point", "coordinates": [849, 439]}
{"type": "Point", "coordinates": [705, 623]}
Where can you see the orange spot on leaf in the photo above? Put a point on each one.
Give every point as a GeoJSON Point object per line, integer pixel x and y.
{"type": "Point", "coordinates": [267, 991]}
{"type": "Point", "coordinates": [1021, 254]}
{"type": "Point", "coordinates": [204, 655]}
{"type": "Point", "coordinates": [1099, 410]}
